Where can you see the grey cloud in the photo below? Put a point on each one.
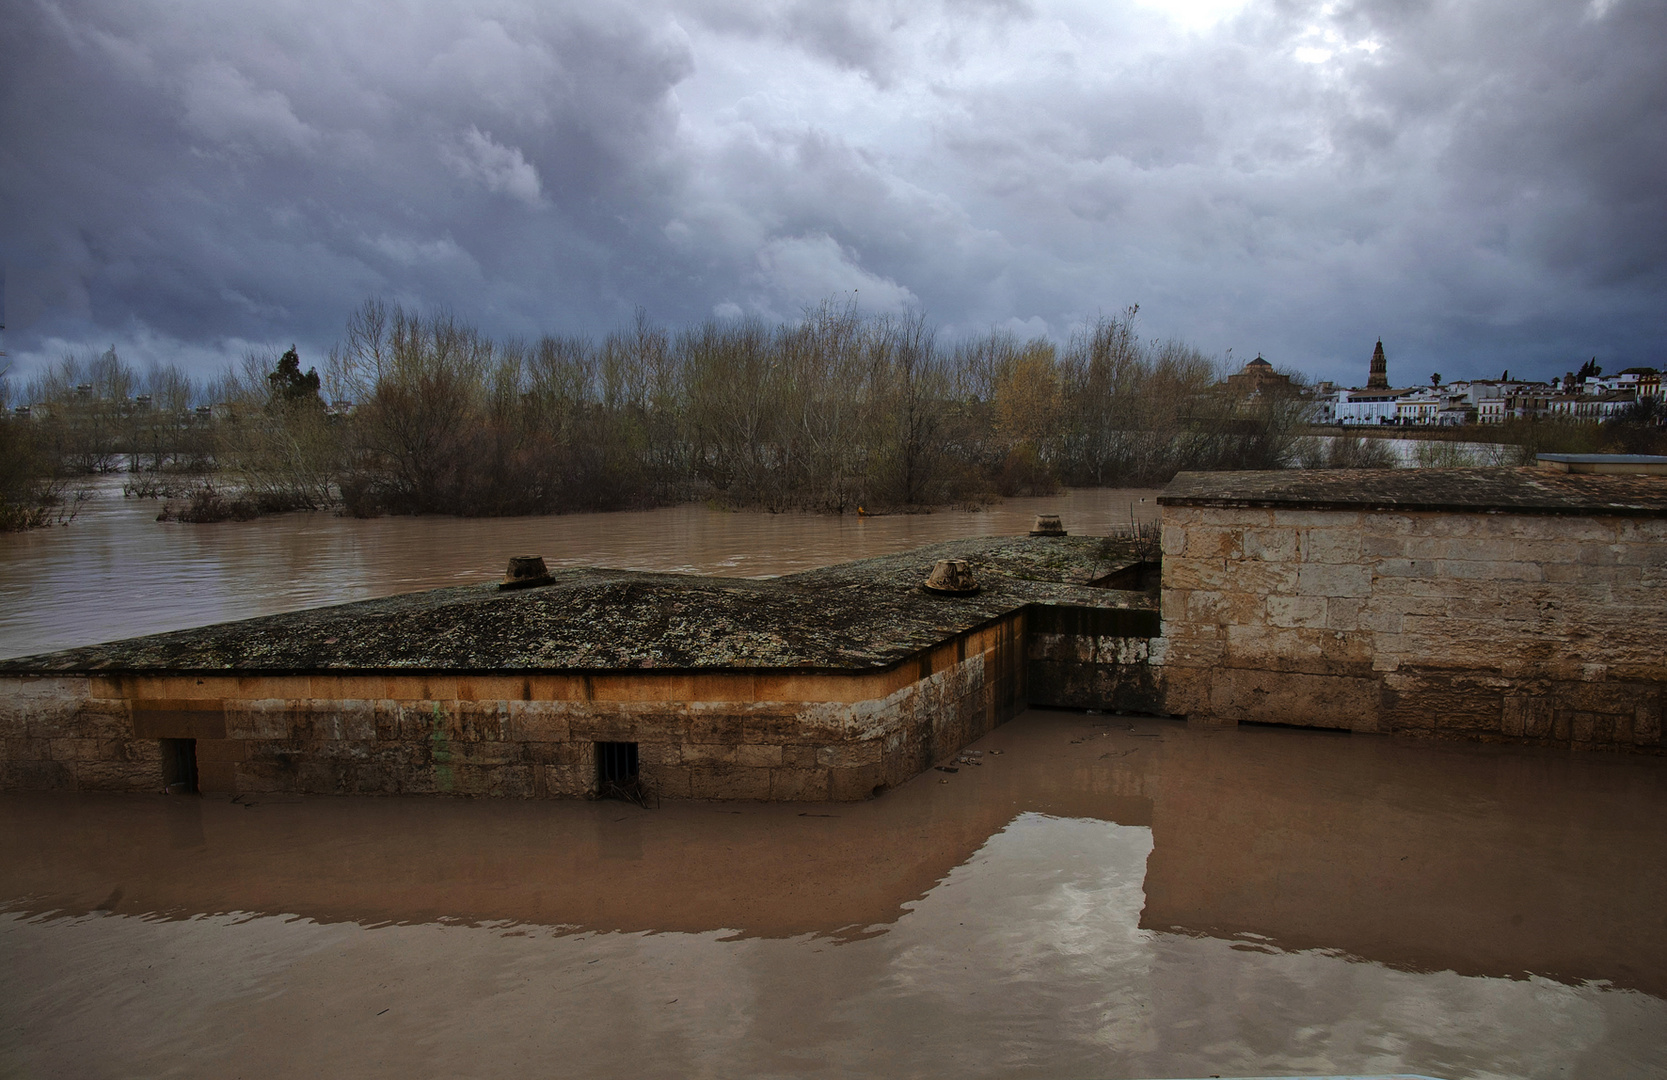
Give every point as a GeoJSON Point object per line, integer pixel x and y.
{"type": "Point", "coordinates": [1477, 182]}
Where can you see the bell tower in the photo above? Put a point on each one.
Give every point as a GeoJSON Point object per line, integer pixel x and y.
{"type": "Point", "coordinates": [1379, 379]}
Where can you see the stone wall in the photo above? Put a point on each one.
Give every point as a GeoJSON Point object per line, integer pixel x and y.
{"type": "Point", "coordinates": [1539, 627]}
{"type": "Point", "coordinates": [749, 735]}
{"type": "Point", "coordinates": [1092, 658]}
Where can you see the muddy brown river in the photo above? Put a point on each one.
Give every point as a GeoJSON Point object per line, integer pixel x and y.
{"type": "Point", "coordinates": [1101, 896]}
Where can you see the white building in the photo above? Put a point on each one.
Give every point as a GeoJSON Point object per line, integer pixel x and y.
{"type": "Point", "coordinates": [1367, 406]}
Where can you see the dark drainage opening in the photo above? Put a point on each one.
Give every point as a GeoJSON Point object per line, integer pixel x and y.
{"type": "Point", "coordinates": [179, 766]}
{"type": "Point", "coordinates": [616, 762]}
{"type": "Point", "coordinates": [616, 773]}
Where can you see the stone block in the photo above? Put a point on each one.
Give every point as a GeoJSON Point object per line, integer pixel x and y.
{"type": "Point", "coordinates": [324, 776]}
{"type": "Point", "coordinates": [1378, 545]}
{"type": "Point", "coordinates": [1317, 519]}
{"type": "Point", "coordinates": [266, 774]}
{"type": "Point", "coordinates": [668, 781]}
{"type": "Point", "coordinates": [758, 755]}
{"type": "Point", "coordinates": [1268, 646]}
{"type": "Point", "coordinates": [1646, 724]}
{"type": "Point", "coordinates": [118, 775]}
{"type": "Point", "coordinates": [216, 777]}
{"type": "Point", "coordinates": [24, 774]}
{"type": "Point", "coordinates": [854, 783]}
{"type": "Point", "coordinates": [594, 726]}
{"type": "Point", "coordinates": [1319, 579]}
{"type": "Point", "coordinates": [1592, 728]}
{"type": "Point", "coordinates": [1448, 701]}
{"type": "Point", "coordinates": [1527, 716]}
{"type": "Point", "coordinates": [511, 782]}
{"type": "Point", "coordinates": [82, 749]}
{"type": "Point", "coordinates": [1293, 698]}
{"type": "Point", "coordinates": [1296, 610]}
{"type": "Point", "coordinates": [799, 785]}
{"type": "Point", "coordinates": [260, 719]}
{"type": "Point", "coordinates": [479, 721]}
{"type": "Point", "coordinates": [92, 718]}
{"type": "Point", "coordinates": [1329, 545]}
{"type": "Point", "coordinates": [1213, 542]}
{"type": "Point", "coordinates": [538, 721]}
{"type": "Point", "coordinates": [24, 749]}
{"type": "Point", "coordinates": [771, 727]}
{"type": "Point", "coordinates": [1488, 570]}
{"type": "Point", "coordinates": [1344, 613]}
{"type": "Point", "coordinates": [1405, 568]}
{"type": "Point", "coordinates": [1201, 605]}
{"type": "Point", "coordinates": [708, 753]}
{"type": "Point", "coordinates": [488, 753]}
{"type": "Point", "coordinates": [728, 782]}
{"type": "Point", "coordinates": [1270, 545]}
{"type": "Point", "coordinates": [849, 755]}
{"type": "Point", "coordinates": [571, 782]}
{"type": "Point", "coordinates": [659, 753]}
{"type": "Point", "coordinates": [797, 756]}
{"type": "Point", "coordinates": [727, 727]}
{"type": "Point", "coordinates": [1593, 555]}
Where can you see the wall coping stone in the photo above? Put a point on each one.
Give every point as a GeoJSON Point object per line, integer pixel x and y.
{"type": "Point", "coordinates": [1475, 491]}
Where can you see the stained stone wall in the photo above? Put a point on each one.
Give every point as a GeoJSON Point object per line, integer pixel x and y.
{"type": "Point", "coordinates": [1542, 627]}
{"type": "Point", "coordinates": [746, 735]}
{"type": "Point", "coordinates": [1092, 658]}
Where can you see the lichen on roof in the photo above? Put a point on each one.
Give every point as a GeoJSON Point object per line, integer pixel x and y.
{"type": "Point", "coordinates": [860, 615]}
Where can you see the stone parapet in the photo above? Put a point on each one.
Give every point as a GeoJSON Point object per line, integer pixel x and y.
{"type": "Point", "coordinates": [1525, 623]}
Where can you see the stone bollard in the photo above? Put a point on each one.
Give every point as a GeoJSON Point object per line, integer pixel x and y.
{"type": "Point", "coordinates": [524, 572]}
{"type": "Point", "coordinates": [952, 577]}
{"type": "Point", "coordinates": [1048, 525]}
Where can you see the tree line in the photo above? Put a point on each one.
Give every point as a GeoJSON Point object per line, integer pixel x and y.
{"type": "Point", "coordinates": [831, 413]}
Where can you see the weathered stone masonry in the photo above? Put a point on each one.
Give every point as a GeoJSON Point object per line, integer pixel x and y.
{"type": "Point", "coordinates": [1482, 604]}
{"type": "Point", "coordinates": [828, 685]}
{"type": "Point", "coordinates": [1470, 603]}
{"type": "Point", "coordinates": [705, 736]}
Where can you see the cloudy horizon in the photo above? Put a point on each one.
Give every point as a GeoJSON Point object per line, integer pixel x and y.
{"type": "Point", "coordinates": [1479, 184]}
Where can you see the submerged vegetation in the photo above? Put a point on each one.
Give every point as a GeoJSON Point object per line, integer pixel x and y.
{"type": "Point", "coordinates": [419, 414]}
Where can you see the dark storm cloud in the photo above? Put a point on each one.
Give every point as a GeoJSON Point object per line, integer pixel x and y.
{"type": "Point", "coordinates": [1477, 182]}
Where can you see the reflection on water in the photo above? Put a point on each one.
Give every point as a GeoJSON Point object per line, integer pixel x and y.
{"type": "Point", "coordinates": [116, 572]}
{"type": "Point", "coordinates": [1104, 896]}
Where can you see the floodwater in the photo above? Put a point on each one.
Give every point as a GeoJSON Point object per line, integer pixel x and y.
{"type": "Point", "coordinates": [1102, 896]}
{"type": "Point", "coordinates": [117, 572]}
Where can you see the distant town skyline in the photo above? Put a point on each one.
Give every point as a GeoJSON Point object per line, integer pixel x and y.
{"type": "Point", "coordinates": [1478, 185]}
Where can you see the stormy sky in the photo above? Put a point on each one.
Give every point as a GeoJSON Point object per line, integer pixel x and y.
{"type": "Point", "coordinates": [1483, 183]}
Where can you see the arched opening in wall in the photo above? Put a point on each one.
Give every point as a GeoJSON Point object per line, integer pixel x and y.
{"type": "Point", "coordinates": [179, 766]}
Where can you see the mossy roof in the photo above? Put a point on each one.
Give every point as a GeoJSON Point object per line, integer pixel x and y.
{"type": "Point", "coordinates": [860, 615]}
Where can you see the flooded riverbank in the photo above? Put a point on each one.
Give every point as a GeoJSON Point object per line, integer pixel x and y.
{"type": "Point", "coordinates": [1101, 896]}
{"type": "Point", "coordinates": [116, 572]}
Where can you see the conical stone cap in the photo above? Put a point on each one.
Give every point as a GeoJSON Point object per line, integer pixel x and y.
{"type": "Point", "coordinates": [952, 577]}
{"type": "Point", "coordinates": [524, 572]}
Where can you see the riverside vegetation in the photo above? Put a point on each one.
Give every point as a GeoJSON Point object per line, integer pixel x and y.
{"type": "Point", "coordinates": [423, 414]}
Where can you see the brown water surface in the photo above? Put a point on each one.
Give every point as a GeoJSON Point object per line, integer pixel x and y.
{"type": "Point", "coordinates": [1102, 896]}
{"type": "Point", "coordinates": [116, 572]}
